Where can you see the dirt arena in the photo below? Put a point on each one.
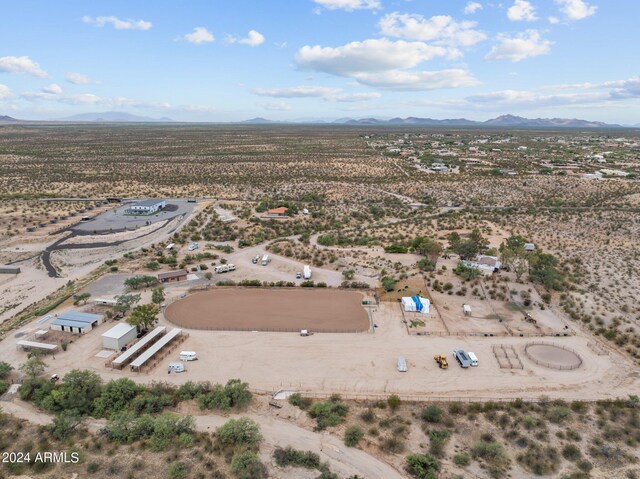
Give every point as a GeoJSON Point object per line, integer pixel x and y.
{"type": "Point", "coordinates": [245, 309]}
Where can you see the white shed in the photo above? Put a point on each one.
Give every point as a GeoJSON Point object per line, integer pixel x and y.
{"type": "Point", "coordinates": [118, 336]}
{"type": "Point", "coordinates": [466, 309]}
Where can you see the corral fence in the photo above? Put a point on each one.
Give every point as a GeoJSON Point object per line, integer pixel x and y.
{"type": "Point", "coordinates": [276, 330]}
{"type": "Point", "coordinates": [549, 365]}
{"type": "Point", "coordinates": [493, 334]}
{"type": "Point", "coordinates": [598, 348]}
{"type": "Point", "coordinates": [507, 357]}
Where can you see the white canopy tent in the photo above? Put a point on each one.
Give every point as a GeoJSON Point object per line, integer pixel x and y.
{"type": "Point", "coordinates": [415, 304]}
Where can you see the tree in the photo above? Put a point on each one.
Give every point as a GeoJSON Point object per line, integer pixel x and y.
{"type": "Point", "coordinates": [348, 274]}
{"type": "Point", "coordinates": [208, 275]}
{"type": "Point", "coordinates": [124, 302]}
{"type": "Point", "coordinates": [239, 432]}
{"type": "Point", "coordinates": [466, 272]}
{"type": "Point", "coordinates": [427, 247]}
{"type": "Point", "coordinates": [144, 316]}
{"type": "Point", "coordinates": [116, 395]}
{"type": "Point", "coordinates": [76, 393]}
{"type": "Point", "coordinates": [34, 366]}
{"type": "Point", "coordinates": [82, 297]}
{"type": "Point", "coordinates": [388, 283]}
{"type": "Point", "coordinates": [139, 281]}
{"type": "Point", "coordinates": [157, 295]}
{"type": "Point", "coordinates": [544, 271]}
{"type": "Point", "coordinates": [513, 254]}
{"type": "Point", "coordinates": [394, 401]}
{"type": "Point", "coordinates": [63, 425]}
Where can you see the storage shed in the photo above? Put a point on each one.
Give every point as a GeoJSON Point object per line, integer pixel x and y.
{"type": "Point", "coordinates": [119, 336]}
{"type": "Point", "coordinates": [76, 322]}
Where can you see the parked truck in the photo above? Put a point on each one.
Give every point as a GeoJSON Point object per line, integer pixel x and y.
{"type": "Point", "coordinates": [307, 272]}
{"type": "Point", "coordinates": [462, 358]}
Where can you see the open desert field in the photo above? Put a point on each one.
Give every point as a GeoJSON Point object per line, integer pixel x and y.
{"type": "Point", "coordinates": [271, 310]}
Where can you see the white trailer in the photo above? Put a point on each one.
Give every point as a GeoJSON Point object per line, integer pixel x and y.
{"type": "Point", "coordinates": [307, 272]}
{"type": "Point", "coordinates": [265, 260]}
{"type": "Point", "coordinates": [188, 356]}
{"type": "Point", "coordinates": [176, 368]}
{"type": "Point", "coordinates": [171, 245]}
{"type": "Point", "coordinates": [231, 267]}
{"type": "Point", "coordinates": [402, 364]}
{"type": "Point", "coordinates": [223, 268]}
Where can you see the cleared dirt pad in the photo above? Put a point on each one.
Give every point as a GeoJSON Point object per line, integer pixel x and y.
{"type": "Point", "coordinates": [271, 310]}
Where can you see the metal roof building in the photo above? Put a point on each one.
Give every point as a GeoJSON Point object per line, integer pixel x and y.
{"type": "Point", "coordinates": [153, 350]}
{"type": "Point", "coordinates": [137, 348]}
{"type": "Point", "coordinates": [119, 336]}
{"type": "Point", "coordinates": [76, 322]}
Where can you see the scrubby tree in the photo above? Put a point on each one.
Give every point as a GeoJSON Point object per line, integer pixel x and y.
{"type": "Point", "coordinates": [239, 432]}
{"type": "Point", "coordinates": [247, 465]}
{"type": "Point", "coordinates": [34, 366]}
{"type": "Point", "coordinates": [144, 316]}
{"type": "Point", "coordinates": [5, 369]}
{"type": "Point", "coordinates": [81, 298]}
{"type": "Point", "coordinates": [157, 295]}
{"type": "Point", "coordinates": [125, 302]}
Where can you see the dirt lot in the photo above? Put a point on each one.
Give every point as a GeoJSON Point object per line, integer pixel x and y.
{"type": "Point", "coordinates": [271, 310]}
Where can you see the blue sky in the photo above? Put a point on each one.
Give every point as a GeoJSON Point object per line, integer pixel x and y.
{"type": "Point", "coordinates": [229, 60]}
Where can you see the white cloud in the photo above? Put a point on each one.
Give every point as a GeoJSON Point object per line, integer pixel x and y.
{"type": "Point", "coordinates": [553, 20]}
{"type": "Point", "coordinates": [383, 63]}
{"type": "Point", "coordinates": [253, 39]}
{"type": "Point", "coordinates": [117, 23]}
{"type": "Point", "coordinates": [306, 91]}
{"type": "Point", "coordinates": [367, 56]}
{"type": "Point", "coordinates": [576, 9]}
{"type": "Point", "coordinates": [21, 65]}
{"type": "Point", "coordinates": [472, 7]}
{"type": "Point", "coordinates": [276, 106]}
{"type": "Point", "coordinates": [199, 35]}
{"type": "Point", "coordinates": [522, 10]}
{"type": "Point", "coordinates": [441, 29]}
{"type": "Point", "coordinates": [349, 5]}
{"type": "Point", "coordinates": [524, 45]}
{"type": "Point", "coordinates": [418, 81]}
{"type": "Point", "coordinates": [52, 89]}
{"type": "Point", "coordinates": [297, 92]}
{"type": "Point", "coordinates": [78, 79]}
{"type": "Point", "coordinates": [5, 92]}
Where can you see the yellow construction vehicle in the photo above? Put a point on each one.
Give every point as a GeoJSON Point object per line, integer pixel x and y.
{"type": "Point", "coordinates": [441, 359]}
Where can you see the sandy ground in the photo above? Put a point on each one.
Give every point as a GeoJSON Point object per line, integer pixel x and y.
{"type": "Point", "coordinates": [364, 364]}
{"type": "Point", "coordinates": [271, 309]}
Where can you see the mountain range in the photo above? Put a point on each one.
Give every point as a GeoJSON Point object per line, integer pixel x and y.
{"type": "Point", "coordinates": [504, 121]}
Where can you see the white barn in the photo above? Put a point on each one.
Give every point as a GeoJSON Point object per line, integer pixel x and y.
{"type": "Point", "coordinates": [76, 322]}
{"type": "Point", "coordinates": [148, 207]}
{"type": "Point", "coordinates": [119, 336]}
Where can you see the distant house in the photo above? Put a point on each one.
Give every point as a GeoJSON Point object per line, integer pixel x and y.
{"type": "Point", "coordinates": [486, 264]}
{"type": "Point", "coordinates": [147, 207]}
{"type": "Point", "coordinates": [180, 275]}
{"type": "Point", "coordinates": [277, 212]}
{"type": "Point", "coordinates": [9, 269]}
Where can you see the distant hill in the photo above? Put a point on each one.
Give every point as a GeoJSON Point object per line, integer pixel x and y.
{"type": "Point", "coordinates": [258, 121]}
{"type": "Point", "coordinates": [501, 121]}
{"type": "Point", "coordinates": [8, 119]}
{"type": "Point", "coordinates": [112, 116]}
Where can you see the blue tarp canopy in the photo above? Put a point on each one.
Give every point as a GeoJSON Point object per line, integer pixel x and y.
{"type": "Point", "coordinates": [416, 299]}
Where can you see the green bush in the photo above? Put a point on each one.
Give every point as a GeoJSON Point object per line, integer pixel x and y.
{"type": "Point", "coordinates": [328, 414]}
{"type": "Point", "coordinates": [247, 465]}
{"type": "Point", "coordinates": [297, 400]}
{"type": "Point", "coordinates": [423, 466]}
{"type": "Point", "coordinates": [235, 394]}
{"type": "Point", "coordinates": [295, 458]}
{"type": "Point", "coordinates": [239, 432]}
{"type": "Point", "coordinates": [432, 413]}
{"type": "Point", "coordinates": [352, 436]}
{"type": "Point", "coordinates": [394, 401]}
{"type": "Point", "coordinates": [178, 470]}
{"type": "Point", "coordinates": [463, 459]}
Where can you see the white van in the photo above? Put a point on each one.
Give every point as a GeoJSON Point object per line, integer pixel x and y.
{"type": "Point", "coordinates": [188, 356]}
{"type": "Point", "coordinates": [402, 364]}
{"type": "Point", "coordinates": [175, 368]}
{"type": "Point", "coordinates": [231, 267]}
{"type": "Point", "coordinates": [474, 358]}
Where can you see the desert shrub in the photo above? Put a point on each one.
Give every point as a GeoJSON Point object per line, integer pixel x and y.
{"type": "Point", "coordinates": [295, 458]}
{"type": "Point", "coordinates": [5, 369]}
{"type": "Point", "coordinates": [423, 466]}
{"type": "Point", "coordinates": [432, 413]}
{"type": "Point", "coordinates": [571, 452]}
{"type": "Point", "coordinates": [540, 460]}
{"type": "Point", "coordinates": [394, 401]}
{"type": "Point", "coordinates": [352, 436]}
{"type": "Point", "coordinates": [247, 465]}
{"type": "Point", "coordinates": [393, 444]}
{"type": "Point", "coordinates": [115, 396]}
{"type": "Point", "coordinates": [463, 459]}
{"type": "Point", "coordinates": [297, 400]}
{"type": "Point", "coordinates": [239, 432]}
{"type": "Point", "coordinates": [368, 416]}
{"type": "Point", "coordinates": [178, 470]}
{"type": "Point", "coordinates": [328, 414]}
{"type": "Point", "coordinates": [492, 453]}
{"type": "Point", "coordinates": [558, 414]}
{"type": "Point", "coordinates": [234, 394]}
{"type": "Point", "coordinates": [437, 440]}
